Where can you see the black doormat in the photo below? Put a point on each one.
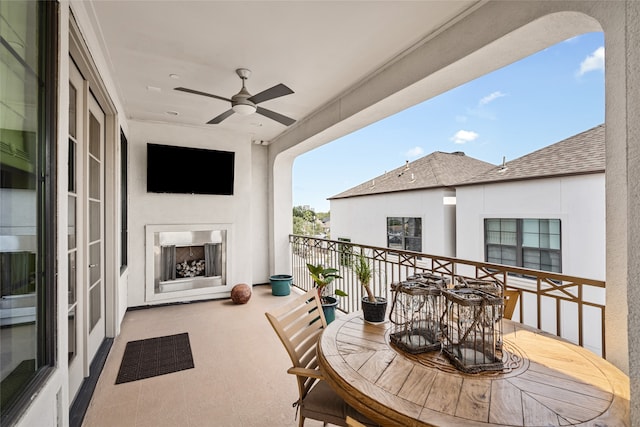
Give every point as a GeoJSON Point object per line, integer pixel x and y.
{"type": "Point", "coordinates": [155, 356]}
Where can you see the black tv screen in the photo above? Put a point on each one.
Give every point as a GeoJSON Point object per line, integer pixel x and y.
{"type": "Point", "coordinates": [185, 170]}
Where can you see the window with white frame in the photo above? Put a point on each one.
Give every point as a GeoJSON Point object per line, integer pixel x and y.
{"type": "Point", "coordinates": [528, 243]}
{"type": "Point", "coordinates": [404, 233]}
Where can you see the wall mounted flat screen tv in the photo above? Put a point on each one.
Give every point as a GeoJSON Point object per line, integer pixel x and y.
{"type": "Point", "coordinates": [186, 170]}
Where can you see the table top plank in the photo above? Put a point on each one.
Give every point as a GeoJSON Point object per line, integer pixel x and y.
{"type": "Point", "coordinates": [444, 394]}
{"type": "Point", "coordinates": [577, 396]}
{"type": "Point", "coordinates": [566, 409]}
{"type": "Point", "coordinates": [506, 404]}
{"type": "Point", "coordinates": [357, 359]}
{"type": "Point", "coordinates": [393, 378]}
{"type": "Point", "coordinates": [474, 400]}
{"type": "Point", "coordinates": [565, 382]}
{"type": "Point", "coordinates": [418, 384]}
{"type": "Point", "coordinates": [377, 364]}
{"type": "Point", "coordinates": [537, 414]}
{"type": "Point", "coordinates": [546, 381]}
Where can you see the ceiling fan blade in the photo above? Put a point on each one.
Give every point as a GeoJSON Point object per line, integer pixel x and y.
{"type": "Point", "coordinates": [271, 93]}
{"type": "Point", "coordinates": [197, 92]}
{"type": "Point", "coordinates": [220, 118]}
{"type": "Point", "coordinates": [287, 121]}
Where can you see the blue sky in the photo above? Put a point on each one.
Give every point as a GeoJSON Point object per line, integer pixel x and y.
{"type": "Point", "coordinates": [530, 104]}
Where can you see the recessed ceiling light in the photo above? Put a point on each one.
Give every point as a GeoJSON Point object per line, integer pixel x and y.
{"type": "Point", "coordinates": [172, 113]}
{"type": "Point", "coordinates": [174, 76]}
{"type": "Point", "coordinates": [154, 89]}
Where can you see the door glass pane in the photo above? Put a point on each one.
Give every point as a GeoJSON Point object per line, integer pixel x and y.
{"type": "Point", "coordinates": [94, 179]}
{"type": "Point", "coordinates": [72, 111]}
{"type": "Point", "coordinates": [94, 136]}
{"type": "Point", "coordinates": [72, 277]}
{"type": "Point", "coordinates": [94, 220]}
{"type": "Point", "coordinates": [72, 333]}
{"type": "Point", "coordinates": [71, 228]}
{"type": "Point", "coordinates": [71, 177]}
{"type": "Point", "coordinates": [95, 303]}
{"type": "Point", "coordinates": [94, 262]}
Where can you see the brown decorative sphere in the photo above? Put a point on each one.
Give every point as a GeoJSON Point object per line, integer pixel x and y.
{"type": "Point", "coordinates": [241, 293]}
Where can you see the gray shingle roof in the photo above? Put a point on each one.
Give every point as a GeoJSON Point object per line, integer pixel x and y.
{"type": "Point", "coordinates": [435, 170]}
{"type": "Point", "coordinates": [579, 154]}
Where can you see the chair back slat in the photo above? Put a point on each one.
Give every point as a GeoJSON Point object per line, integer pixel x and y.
{"type": "Point", "coordinates": [299, 324]}
{"type": "Point", "coordinates": [510, 301]}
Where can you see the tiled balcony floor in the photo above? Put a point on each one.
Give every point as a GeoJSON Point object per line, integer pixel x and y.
{"type": "Point", "coordinates": [239, 378]}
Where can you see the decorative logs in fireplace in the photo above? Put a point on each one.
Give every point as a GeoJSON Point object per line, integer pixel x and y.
{"type": "Point", "coordinates": [190, 261]}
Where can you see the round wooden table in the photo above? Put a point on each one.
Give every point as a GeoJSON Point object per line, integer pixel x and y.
{"type": "Point", "coordinates": [546, 381]}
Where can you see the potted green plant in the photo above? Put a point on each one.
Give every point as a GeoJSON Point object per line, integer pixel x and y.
{"type": "Point", "coordinates": [322, 277]}
{"type": "Point", "coordinates": [374, 308]}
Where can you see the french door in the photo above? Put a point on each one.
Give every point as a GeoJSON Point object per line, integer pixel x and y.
{"type": "Point", "coordinates": [86, 309]}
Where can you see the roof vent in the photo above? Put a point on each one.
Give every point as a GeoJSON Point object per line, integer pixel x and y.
{"type": "Point", "coordinates": [503, 167]}
{"type": "Point", "coordinates": [458, 153]}
{"type": "Point", "coordinates": [406, 165]}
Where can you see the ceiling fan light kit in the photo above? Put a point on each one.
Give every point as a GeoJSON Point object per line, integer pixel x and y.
{"type": "Point", "coordinates": [244, 103]}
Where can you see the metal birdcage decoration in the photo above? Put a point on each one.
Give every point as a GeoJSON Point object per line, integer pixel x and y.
{"type": "Point", "coordinates": [472, 332]}
{"type": "Point", "coordinates": [429, 279]}
{"type": "Point", "coordinates": [487, 285]}
{"type": "Point", "coordinates": [415, 316]}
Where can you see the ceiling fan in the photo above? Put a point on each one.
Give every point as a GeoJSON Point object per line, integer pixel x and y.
{"type": "Point", "coordinates": [244, 103]}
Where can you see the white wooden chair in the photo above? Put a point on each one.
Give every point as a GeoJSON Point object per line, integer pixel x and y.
{"type": "Point", "coordinates": [299, 324]}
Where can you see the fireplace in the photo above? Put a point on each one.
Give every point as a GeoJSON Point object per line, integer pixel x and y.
{"type": "Point", "coordinates": [186, 260]}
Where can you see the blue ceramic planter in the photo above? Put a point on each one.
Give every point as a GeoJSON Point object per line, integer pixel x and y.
{"type": "Point", "coordinates": [329, 305]}
{"type": "Point", "coordinates": [281, 284]}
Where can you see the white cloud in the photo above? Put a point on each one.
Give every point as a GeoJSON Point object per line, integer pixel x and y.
{"type": "Point", "coordinates": [464, 136]}
{"type": "Point", "coordinates": [415, 152]}
{"type": "Point", "coordinates": [593, 62]}
{"type": "Point", "coordinates": [573, 39]}
{"type": "Point", "coordinates": [491, 97]}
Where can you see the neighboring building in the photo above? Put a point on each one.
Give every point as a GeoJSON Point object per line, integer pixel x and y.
{"type": "Point", "coordinates": [408, 208]}
{"type": "Point", "coordinates": [545, 210]}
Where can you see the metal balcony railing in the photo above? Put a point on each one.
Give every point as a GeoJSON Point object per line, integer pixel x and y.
{"type": "Point", "coordinates": [569, 307]}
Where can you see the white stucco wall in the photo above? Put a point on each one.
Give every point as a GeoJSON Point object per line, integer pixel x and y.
{"type": "Point", "coordinates": [187, 209]}
{"type": "Point", "coordinates": [364, 219]}
{"type": "Point", "coordinates": [578, 201]}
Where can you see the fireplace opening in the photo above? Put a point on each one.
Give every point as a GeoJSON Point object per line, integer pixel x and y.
{"type": "Point", "coordinates": [188, 262]}
{"type": "Point", "coordinates": [191, 261]}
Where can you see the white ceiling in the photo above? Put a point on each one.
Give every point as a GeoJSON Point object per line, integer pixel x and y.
{"type": "Point", "coordinates": [318, 48]}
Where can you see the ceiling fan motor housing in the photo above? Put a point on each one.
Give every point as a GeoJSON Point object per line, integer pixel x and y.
{"type": "Point", "coordinates": [240, 102]}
